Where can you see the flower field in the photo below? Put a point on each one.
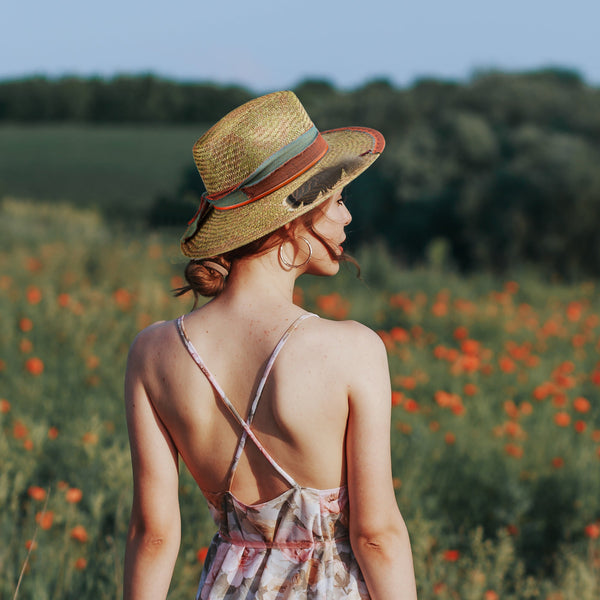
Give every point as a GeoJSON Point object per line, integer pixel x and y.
{"type": "Point", "coordinates": [495, 413]}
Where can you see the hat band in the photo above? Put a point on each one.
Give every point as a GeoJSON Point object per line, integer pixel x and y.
{"type": "Point", "coordinates": [278, 170]}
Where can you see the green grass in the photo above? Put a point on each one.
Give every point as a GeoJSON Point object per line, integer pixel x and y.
{"type": "Point", "coordinates": [119, 170]}
{"type": "Point", "coordinates": [498, 497]}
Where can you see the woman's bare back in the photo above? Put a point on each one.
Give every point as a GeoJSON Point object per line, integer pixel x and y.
{"type": "Point", "coordinates": [301, 416]}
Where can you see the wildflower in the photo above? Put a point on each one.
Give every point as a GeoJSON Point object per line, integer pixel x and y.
{"type": "Point", "coordinates": [507, 364]}
{"type": "Point", "coordinates": [434, 426]}
{"type": "Point", "coordinates": [490, 595]}
{"type": "Point", "coordinates": [45, 519]}
{"type": "Point", "coordinates": [397, 398]}
{"type": "Point", "coordinates": [73, 495]}
{"type": "Point", "coordinates": [470, 347]}
{"type": "Point", "coordinates": [122, 298]}
{"type": "Point", "coordinates": [79, 533]}
{"type": "Point", "coordinates": [470, 389]}
{"type": "Point", "coordinates": [33, 295]}
{"type": "Point", "coordinates": [28, 445]}
{"type": "Point", "coordinates": [25, 324]}
{"type": "Point", "coordinates": [201, 554]}
{"type": "Point", "coordinates": [580, 426]}
{"type": "Point", "coordinates": [439, 309]}
{"type": "Point", "coordinates": [34, 365]}
{"type": "Point", "coordinates": [92, 361]}
{"type": "Point", "coordinates": [449, 438]}
{"type": "Point", "coordinates": [526, 408]}
{"type": "Point", "coordinates": [514, 450]}
{"type": "Point", "coordinates": [37, 493]}
{"type": "Point", "coordinates": [30, 545]}
{"type": "Point", "coordinates": [4, 405]}
{"type": "Point", "coordinates": [439, 587]}
{"type": "Point", "coordinates": [581, 404]}
{"type": "Point", "coordinates": [90, 437]}
{"type": "Point", "coordinates": [64, 300]}
{"type": "Point", "coordinates": [400, 335]}
{"type": "Point", "coordinates": [52, 433]}
{"type": "Point", "coordinates": [451, 555]}
{"type": "Point", "coordinates": [558, 462]}
{"type": "Point", "coordinates": [411, 405]}
{"type": "Point", "coordinates": [25, 346]}
{"type": "Point", "coordinates": [33, 264]}
{"type": "Point", "coordinates": [562, 419]}
{"type": "Point", "coordinates": [592, 531]}
{"type": "Point", "coordinates": [80, 563]}
{"type": "Point", "coordinates": [19, 430]}
{"type": "Point", "coordinates": [460, 333]}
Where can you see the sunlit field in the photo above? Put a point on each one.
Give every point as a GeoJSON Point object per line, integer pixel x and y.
{"type": "Point", "coordinates": [495, 413]}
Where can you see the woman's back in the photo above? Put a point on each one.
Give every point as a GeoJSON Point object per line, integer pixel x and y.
{"type": "Point", "coordinates": [301, 414]}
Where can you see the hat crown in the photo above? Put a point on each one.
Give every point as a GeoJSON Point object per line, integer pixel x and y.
{"type": "Point", "coordinates": [233, 148]}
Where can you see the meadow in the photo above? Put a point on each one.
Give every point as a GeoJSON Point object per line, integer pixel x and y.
{"type": "Point", "coordinates": [117, 168]}
{"type": "Point", "coordinates": [495, 412]}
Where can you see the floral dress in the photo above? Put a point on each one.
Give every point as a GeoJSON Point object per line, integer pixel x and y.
{"type": "Point", "coordinates": [293, 546]}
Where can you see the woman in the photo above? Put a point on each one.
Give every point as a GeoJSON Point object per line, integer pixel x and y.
{"type": "Point", "coordinates": [282, 418]}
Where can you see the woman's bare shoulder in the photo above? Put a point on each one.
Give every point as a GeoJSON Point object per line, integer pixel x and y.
{"type": "Point", "coordinates": [351, 339]}
{"type": "Point", "coordinates": [159, 335]}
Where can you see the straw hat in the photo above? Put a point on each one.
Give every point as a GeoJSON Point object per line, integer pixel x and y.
{"type": "Point", "coordinates": [263, 165]}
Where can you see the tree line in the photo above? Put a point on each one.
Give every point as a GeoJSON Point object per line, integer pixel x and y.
{"type": "Point", "coordinates": [494, 172]}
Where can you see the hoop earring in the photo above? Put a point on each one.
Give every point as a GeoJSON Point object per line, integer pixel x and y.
{"type": "Point", "coordinates": [290, 265]}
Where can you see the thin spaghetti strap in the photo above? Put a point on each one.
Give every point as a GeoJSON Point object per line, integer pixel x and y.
{"type": "Point", "coordinates": [261, 385]}
{"type": "Point", "coordinates": [221, 394]}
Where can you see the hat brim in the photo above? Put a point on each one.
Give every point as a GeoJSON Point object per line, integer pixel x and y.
{"type": "Point", "coordinates": [350, 152]}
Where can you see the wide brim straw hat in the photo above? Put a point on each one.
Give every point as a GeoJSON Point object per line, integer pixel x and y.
{"type": "Point", "coordinates": [263, 165]}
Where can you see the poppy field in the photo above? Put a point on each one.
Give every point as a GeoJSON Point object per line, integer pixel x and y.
{"type": "Point", "coordinates": [495, 412]}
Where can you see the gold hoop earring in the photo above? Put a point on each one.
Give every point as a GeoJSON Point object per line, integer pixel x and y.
{"type": "Point", "coordinates": [290, 265]}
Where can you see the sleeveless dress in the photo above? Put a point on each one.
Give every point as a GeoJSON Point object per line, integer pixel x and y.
{"type": "Point", "coordinates": [290, 547]}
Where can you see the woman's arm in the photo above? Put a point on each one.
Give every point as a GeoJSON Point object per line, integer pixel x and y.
{"type": "Point", "coordinates": [377, 531]}
{"type": "Point", "coordinates": [155, 527]}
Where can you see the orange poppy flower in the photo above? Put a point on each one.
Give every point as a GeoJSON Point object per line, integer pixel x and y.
{"type": "Point", "coordinates": [34, 365]}
{"type": "Point", "coordinates": [562, 419]}
{"type": "Point", "coordinates": [201, 554]}
{"type": "Point", "coordinates": [581, 404]}
{"type": "Point", "coordinates": [80, 563]}
{"type": "Point", "coordinates": [592, 531]}
{"type": "Point", "coordinates": [52, 433]}
{"type": "Point", "coordinates": [73, 495]}
{"type": "Point", "coordinates": [30, 545]}
{"type": "Point", "coordinates": [451, 555]}
{"type": "Point", "coordinates": [37, 493]}
{"type": "Point", "coordinates": [33, 295]}
{"type": "Point", "coordinates": [45, 519]}
{"type": "Point", "coordinates": [19, 430]}
{"type": "Point", "coordinates": [460, 333]}
{"type": "Point", "coordinates": [4, 405]}
{"type": "Point", "coordinates": [490, 595]}
{"type": "Point", "coordinates": [25, 324]}
{"type": "Point", "coordinates": [580, 426]}
{"type": "Point", "coordinates": [79, 533]}
{"type": "Point", "coordinates": [397, 398]}
{"type": "Point", "coordinates": [449, 438]}
{"type": "Point", "coordinates": [558, 462]}
{"type": "Point", "coordinates": [64, 300]}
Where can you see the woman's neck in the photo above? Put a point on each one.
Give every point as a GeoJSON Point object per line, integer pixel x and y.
{"type": "Point", "coordinates": [259, 282]}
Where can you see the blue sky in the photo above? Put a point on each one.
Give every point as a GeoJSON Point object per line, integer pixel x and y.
{"type": "Point", "coordinates": [267, 44]}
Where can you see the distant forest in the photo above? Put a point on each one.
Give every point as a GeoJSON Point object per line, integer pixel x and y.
{"type": "Point", "coordinates": [495, 172]}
